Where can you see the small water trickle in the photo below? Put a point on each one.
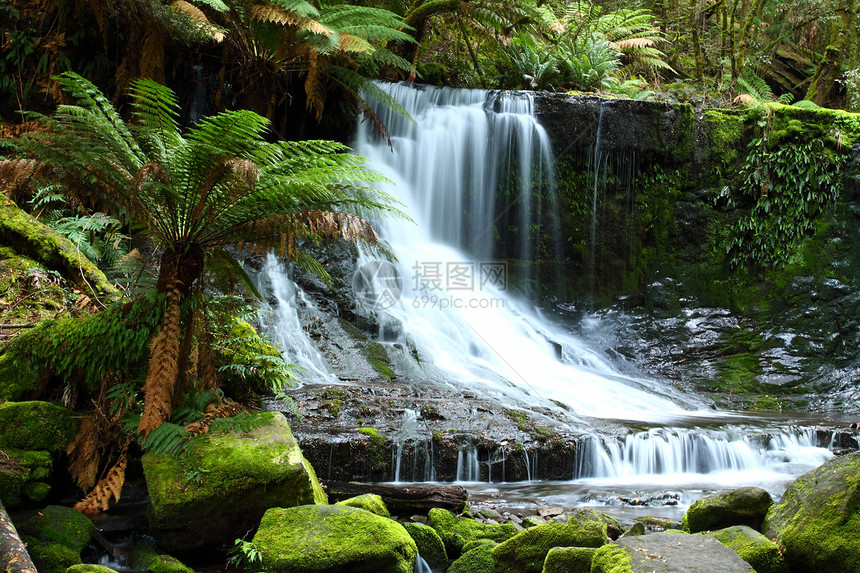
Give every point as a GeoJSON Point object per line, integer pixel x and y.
{"type": "Point", "coordinates": [421, 565]}
{"type": "Point", "coordinates": [527, 464]}
{"type": "Point", "coordinates": [410, 440]}
{"type": "Point", "coordinates": [468, 466]}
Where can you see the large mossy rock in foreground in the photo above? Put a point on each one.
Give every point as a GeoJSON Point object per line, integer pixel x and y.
{"type": "Point", "coordinates": [744, 506]}
{"type": "Point", "coordinates": [527, 550]}
{"type": "Point", "coordinates": [332, 539]}
{"type": "Point", "coordinates": [219, 488]}
{"type": "Point", "coordinates": [817, 520]}
{"type": "Point", "coordinates": [668, 553]}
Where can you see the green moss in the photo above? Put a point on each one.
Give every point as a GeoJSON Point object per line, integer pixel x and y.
{"type": "Point", "coordinates": [369, 502]}
{"type": "Point", "coordinates": [25, 484]}
{"type": "Point", "coordinates": [36, 240]}
{"type": "Point", "coordinates": [334, 393]}
{"type": "Point", "coordinates": [333, 406]}
{"type": "Point", "coordinates": [332, 538]}
{"type": "Point", "coordinates": [742, 506]}
{"type": "Point", "coordinates": [725, 132]}
{"type": "Point", "coordinates": [478, 560]}
{"type": "Point", "coordinates": [59, 524]}
{"type": "Point", "coordinates": [430, 545]}
{"type": "Point", "coordinates": [240, 476]}
{"type": "Point", "coordinates": [542, 434]}
{"type": "Point", "coordinates": [18, 379]}
{"type": "Point", "coordinates": [611, 559]}
{"type": "Point", "coordinates": [569, 560]}
{"type": "Point", "coordinates": [36, 426]}
{"type": "Point", "coordinates": [146, 558]}
{"type": "Point", "coordinates": [526, 551]}
{"type": "Point", "coordinates": [377, 357]}
{"type": "Point", "coordinates": [816, 522]}
{"type": "Point", "coordinates": [89, 568]}
{"type": "Point", "coordinates": [51, 557]}
{"type": "Point", "coordinates": [456, 532]}
{"type": "Point", "coordinates": [753, 547]}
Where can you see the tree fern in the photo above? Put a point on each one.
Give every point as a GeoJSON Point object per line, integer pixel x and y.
{"type": "Point", "coordinates": [220, 183]}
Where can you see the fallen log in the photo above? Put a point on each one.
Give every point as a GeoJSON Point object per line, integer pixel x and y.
{"type": "Point", "coordinates": [13, 553]}
{"type": "Point", "coordinates": [403, 499]}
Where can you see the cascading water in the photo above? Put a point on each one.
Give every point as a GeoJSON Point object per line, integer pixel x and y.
{"type": "Point", "coordinates": [453, 308]}
{"type": "Point", "coordinates": [474, 174]}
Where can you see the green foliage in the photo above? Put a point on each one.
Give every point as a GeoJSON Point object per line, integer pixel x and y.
{"type": "Point", "coordinates": [529, 64]}
{"type": "Point", "coordinates": [587, 65]}
{"type": "Point", "coordinates": [244, 552]}
{"type": "Point", "coordinates": [94, 347]}
{"type": "Point", "coordinates": [788, 187]}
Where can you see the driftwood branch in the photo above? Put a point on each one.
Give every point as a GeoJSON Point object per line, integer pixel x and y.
{"type": "Point", "coordinates": [13, 553]}
{"type": "Point", "coordinates": [403, 499]}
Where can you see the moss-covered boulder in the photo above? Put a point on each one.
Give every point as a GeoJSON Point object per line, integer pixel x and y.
{"type": "Point", "coordinates": [526, 551]}
{"type": "Point", "coordinates": [36, 426]}
{"type": "Point", "coordinates": [50, 557]}
{"type": "Point", "coordinates": [569, 560]}
{"type": "Point", "coordinates": [429, 545]}
{"type": "Point", "coordinates": [59, 524]}
{"type": "Point", "coordinates": [457, 531]}
{"type": "Point", "coordinates": [744, 506]}
{"type": "Point", "coordinates": [18, 379]}
{"type": "Point", "coordinates": [368, 501]}
{"type": "Point", "coordinates": [89, 568]}
{"type": "Point", "coordinates": [637, 528]}
{"type": "Point", "coordinates": [146, 558]}
{"type": "Point", "coordinates": [331, 539]}
{"type": "Point", "coordinates": [219, 488]}
{"type": "Point", "coordinates": [817, 521]}
{"type": "Point", "coordinates": [40, 242]}
{"type": "Point", "coordinates": [753, 547]}
{"type": "Point", "coordinates": [24, 477]}
{"type": "Point", "coordinates": [477, 560]}
{"type": "Point", "coordinates": [668, 553]}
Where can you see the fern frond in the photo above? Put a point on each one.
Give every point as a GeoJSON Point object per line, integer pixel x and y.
{"type": "Point", "coordinates": [84, 454]}
{"type": "Point", "coordinates": [110, 486]}
{"type": "Point", "coordinates": [279, 15]}
{"type": "Point", "coordinates": [163, 368]}
{"type": "Point", "coordinates": [168, 438]}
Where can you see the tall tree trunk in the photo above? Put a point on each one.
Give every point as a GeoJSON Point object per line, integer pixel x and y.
{"type": "Point", "coordinates": [824, 89]}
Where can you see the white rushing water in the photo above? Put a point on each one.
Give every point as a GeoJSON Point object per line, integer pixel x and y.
{"type": "Point", "coordinates": [468, 330]}
{"type": "Point", "coordinates": [472, 334]}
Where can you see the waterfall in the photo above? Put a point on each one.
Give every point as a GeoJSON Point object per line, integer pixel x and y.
{"type": "Point", "coordinates": [281, 321]}
{"type": "Point", "coordinates": [456, 309]}
{"type": "Point", "coordinates": [468, 467]}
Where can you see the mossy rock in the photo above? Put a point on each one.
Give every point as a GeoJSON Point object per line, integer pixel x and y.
{"type": "Point", "coordinates": [611, 559]}
{"type": "Point", "coordinates": [59, 524]}
{"type": "Point", "coordinates": [569, 560]}
{"type": "Point", "coordinates": [331, 539]}
{"type": "Point", "coordinates": [753, 547]}
{"type": "Point", "coordinates": [369, 502]}
{"type": "Point", "coordinates": [223, 483]}
{"type": "Point", "coordinates": [89, 568]}
{"type": "Point", "coordinates": [18, 379]}
{"type": "Point", "coordinates": [457, 531]}
{"type": "Point", "coordinates": [146, 558]}
{"type": "Point", "coordinates": [25, 484]}
{"type": "Point", "coordinates": [742, 506]}
{"type": "Point", "coordinates": [477, 543]}
{"type": "Point", "coordinates": [36, 426]}
{"type": "Point", "coordinates": [527, 550]}
{"type": "Point", "coordinates": [51, 557]}
{"type": "Point", "coordinates": [477, 560]}
{"type": "Point", "coordinates": [429, 544]}
{"type": "Point", "coordinates": [817, 522]}
{"type": "Point", "coordinates": [637, 528]}
{"type": "Point", "coordinates": [40, 242]}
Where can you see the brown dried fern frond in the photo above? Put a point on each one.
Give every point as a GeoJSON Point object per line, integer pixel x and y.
{"type": "Point", "coordinates": [163, 368]}
{"type": "Point", "coordinates": [278, 15]}
{"type": "Point", "coordinates": [98, 499]}
{"type": "Point", "coordinates": [8, 131]}
{"type": "Point", "coordinates": [622, 45]}
{"type": "Point", "coordinates": [84, 452]}
{"type": "Point", "coordinates": [226, 409]}
{"type": "Point", "coordinates": [15, 173]}
{"type": "Point", "coordinates": [315, 83]}
{"type": "Point", "coordinates": [199, 18]}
